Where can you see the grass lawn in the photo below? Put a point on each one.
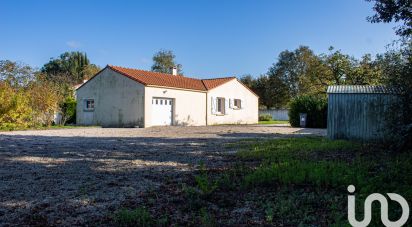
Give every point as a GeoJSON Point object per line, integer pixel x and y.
{"type": "Point", "coordinates": [273, 122]}
{"type": "Point", "coordinates": [281, 182]}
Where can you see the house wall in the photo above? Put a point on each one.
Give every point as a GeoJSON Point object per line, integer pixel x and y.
{"type": "Point", "coordinates": [358, 116]}
{"type": "Point", "coordinates": [233, 89]}
{"type": "Point", "coordinates": [119, 101]}
{"type": "Point", "coordinates": [189, 107]}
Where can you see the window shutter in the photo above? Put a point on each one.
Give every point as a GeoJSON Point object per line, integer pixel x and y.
{"type": "Point", "coordinates": [213, 105]}
{"type": "Point", "coordinates": [226, 106]}
{"type": "Point", "coordinates": [242, 103]}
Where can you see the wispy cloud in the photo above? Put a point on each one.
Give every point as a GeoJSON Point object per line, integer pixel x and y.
{"type": "Point", "coordinates": [73, 44]}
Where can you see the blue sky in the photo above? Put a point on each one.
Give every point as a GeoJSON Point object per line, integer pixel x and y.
{"type": "Point", "coordinates": [209, 38]}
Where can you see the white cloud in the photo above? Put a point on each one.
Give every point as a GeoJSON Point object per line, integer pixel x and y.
{"type": "Point", "coordinates": [73, 44]}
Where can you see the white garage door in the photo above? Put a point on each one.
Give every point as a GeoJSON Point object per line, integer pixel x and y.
{"type": "Point", "coordinates": [162, 111]}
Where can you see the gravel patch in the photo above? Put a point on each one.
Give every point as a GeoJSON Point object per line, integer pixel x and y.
{"type": "Point", "coordinates": [74, 176]}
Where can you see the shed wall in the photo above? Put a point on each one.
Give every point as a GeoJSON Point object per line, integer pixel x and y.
{"type": "Point", "coordinates": [357, 116]}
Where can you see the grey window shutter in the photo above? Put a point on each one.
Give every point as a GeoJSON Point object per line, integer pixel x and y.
{"type": "Point", "coordinates": [231, 103]}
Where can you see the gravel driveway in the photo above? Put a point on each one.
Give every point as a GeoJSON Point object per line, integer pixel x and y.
{"type": "Point", "coordinates": [78, 176]}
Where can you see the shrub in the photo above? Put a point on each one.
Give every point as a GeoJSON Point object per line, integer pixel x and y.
{"type": "Point", "coordinates": [314, 106]}
{"type": "Point", "coordinates": [265, 117]}
{"type": "Point", "coordinates": [68, 109]}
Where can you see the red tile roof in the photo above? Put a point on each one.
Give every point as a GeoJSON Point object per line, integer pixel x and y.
{"type": "Point", "coordinates": [212, 83]}
{"type": "Point", "coordinates": [168, 80]}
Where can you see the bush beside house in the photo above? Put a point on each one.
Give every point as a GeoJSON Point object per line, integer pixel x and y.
{"type": "Point", "coordinates": [265, 117]}
{"type": "Point", "coordinates": [314, 106]}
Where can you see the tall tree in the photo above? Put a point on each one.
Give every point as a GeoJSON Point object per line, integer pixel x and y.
{"type": "Point", "coordinates": [248, 80]}
{"type": "Point", "coordinates": [396, 66]}
{"type": "Point", "coordinates": [16, 73]}
{"type": "Point", "coordinates": [295, 73]}
{"type": "Point", "coordinates": [69, 67]}
{"type": "Point", "coordinates": [164, 61]}
{"type": "Point", "coordinates": [339, 66]}
{"type": "Point", "coordinates": [394, 10]}
{"type": "Point", "coordinates": [365, 72]}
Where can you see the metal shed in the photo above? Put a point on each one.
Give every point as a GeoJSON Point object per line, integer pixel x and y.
{"type": "Point", "coordinates": [357, 112]}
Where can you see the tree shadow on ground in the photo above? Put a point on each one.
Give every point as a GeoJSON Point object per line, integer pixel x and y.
{"type": "Point", "coordinates": [81, 178]}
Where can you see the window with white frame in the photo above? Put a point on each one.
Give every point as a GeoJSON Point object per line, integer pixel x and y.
{"type": "Point", "coordinates": [237, 104]}
{"type": "Point", "coordinates": [89, 104]}
{"type": "Point", "coordinates": [220, 105]}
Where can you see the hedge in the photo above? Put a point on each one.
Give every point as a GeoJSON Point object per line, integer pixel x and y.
{"type": "Point", "coordinates": [315, 107]}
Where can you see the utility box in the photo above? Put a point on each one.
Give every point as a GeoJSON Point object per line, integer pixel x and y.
{"type": "Point", "coordinates": [303, 119]}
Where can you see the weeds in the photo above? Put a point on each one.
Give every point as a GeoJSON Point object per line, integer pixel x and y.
{"type": "Point", "coordinates": [323, 174]}
{"type": "Point", "coordinates": [207, 219]}
{"type": "Point", "coordinates": [204, 183]}
{"type": "Point", "coordinates": [137, 217]}
{"type": "Point", "coordinates": [289, 148]}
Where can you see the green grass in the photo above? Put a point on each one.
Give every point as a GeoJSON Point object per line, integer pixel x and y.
{"type": "Point", "coordinates": [298, 181]}
{"type": "Point", "coordinates": [271, 122]}
{"type": "Point", "coordinates": [288, 148]}
{"type": "Point", "coordinates": [321, 174]}
{"type": "Point", "coordinates": [137, 217]}
{"type": "Point", "coordinates": [327, 167]}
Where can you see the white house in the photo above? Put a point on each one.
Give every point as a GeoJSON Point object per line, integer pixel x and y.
{"type": "Point", "coordinates": [124, 97]}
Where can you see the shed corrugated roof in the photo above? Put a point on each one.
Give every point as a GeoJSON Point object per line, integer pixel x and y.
{"type": "Point", "coordinates": [361, 89]}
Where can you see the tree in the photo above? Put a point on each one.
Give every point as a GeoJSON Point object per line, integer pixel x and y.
{"type": "Point", "coordinates": [164, 61]}
{"type": "Point", "coordinates": [44, 99]}
{"type": "Point", "coordinates": [249, 81]}
{"type": "Point", "coordinates": [394, 10]}
{"type": "Point", "coordinates": [276, 93]}
{"type": "Point", "coordinates": [89, 71]}
{"type": "Point", "coordinates": [366, 72]}
{"type": "Point", "coordinates": [71, 68]}
{"type": "Point", "coordinates": [16, 73]}
{"type": "Point", "coordinates": [339, 67]}
{"type": "Point", "coordinates": [396, 67]}
{"type": "Point", "coordinates": [295, 73]}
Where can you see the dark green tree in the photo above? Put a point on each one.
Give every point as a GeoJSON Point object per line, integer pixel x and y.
{"type": "Point", "coordinates": [394, 10]}
{"type": "Point", "coordinates": [69, 68]}
{"type": "Point", "coordinates": [164, 61]}
{"type": "Point", "coordinates": [396, 67]}
{"type": "Point", "coordinates": [249, 81]}
{"type": "Point", "coordinates": [295, 73]}
{"type": "Point", "coordinates": [365, 72]}
{"type": "Point", "coordinates": [339, 67]}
